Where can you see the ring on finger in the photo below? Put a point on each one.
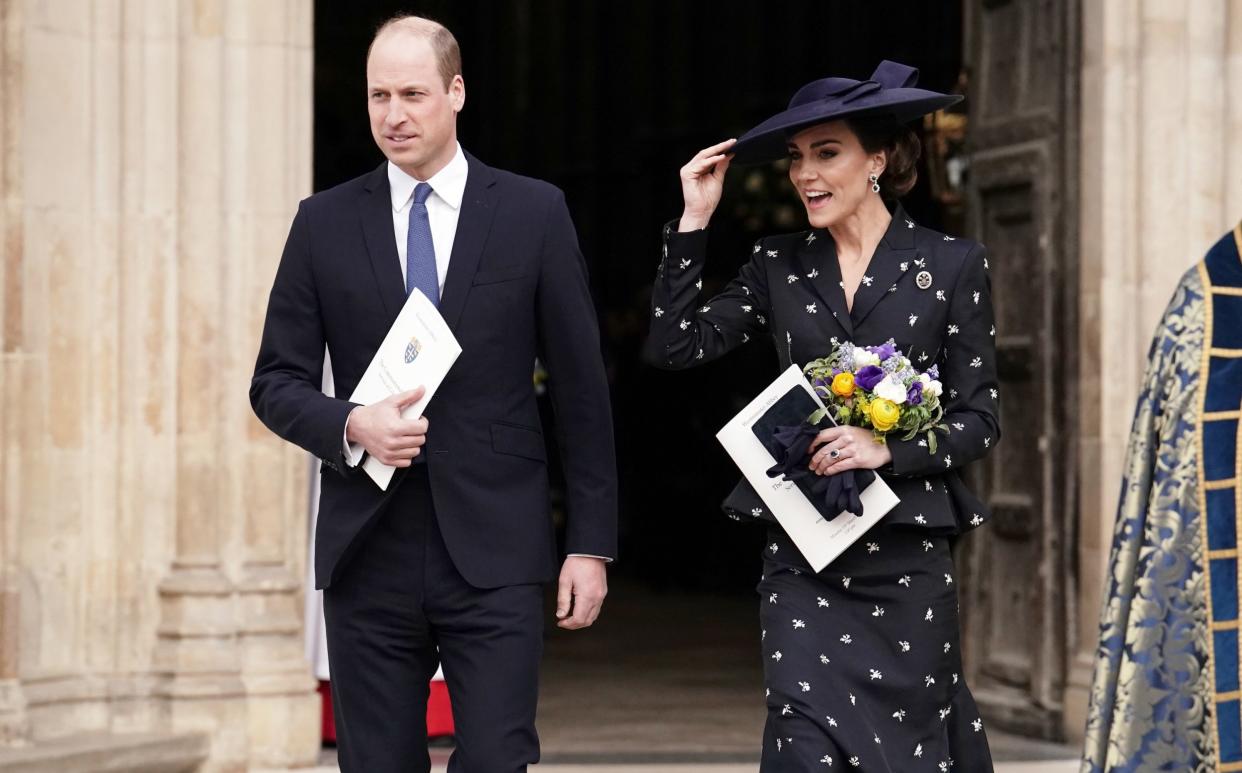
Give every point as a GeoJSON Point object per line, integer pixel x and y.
{"type": "Point", "coordinates": [835, 453]}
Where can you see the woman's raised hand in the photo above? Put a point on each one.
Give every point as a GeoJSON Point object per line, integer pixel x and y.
{"type": "Point", "coordinates": [702, 181]}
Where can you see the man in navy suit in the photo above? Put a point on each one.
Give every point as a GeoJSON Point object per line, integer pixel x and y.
{"type": "Point", "coordinates": [447, 564]}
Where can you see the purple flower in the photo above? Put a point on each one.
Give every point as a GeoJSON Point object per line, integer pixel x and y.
{"type": "Point", "coordinates": [821, 383]}
{"type": "Point", "coordinates": [914, 396]}
{"type": "Point", "coordinates": [868, 377]}
{"type": "Point", "coordinates": [884, 350]}
{"type": "Point", "coordinates": [934, 372]}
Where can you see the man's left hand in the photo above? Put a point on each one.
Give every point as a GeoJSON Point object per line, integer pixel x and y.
{"type": "Point", "coordinates": [582, 587]}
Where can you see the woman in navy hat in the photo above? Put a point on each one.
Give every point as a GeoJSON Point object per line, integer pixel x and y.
{"type": "Point", "coordinates": [862, 660]}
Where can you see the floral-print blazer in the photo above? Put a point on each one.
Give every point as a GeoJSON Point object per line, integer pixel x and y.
{"type": "Point", "coordinates": [929, 292]}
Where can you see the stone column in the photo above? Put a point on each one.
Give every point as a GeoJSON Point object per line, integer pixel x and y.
{"type": "Point", "coordinates": [13, 724]}
{"type": "Point", "coordinates": [1161, 180]}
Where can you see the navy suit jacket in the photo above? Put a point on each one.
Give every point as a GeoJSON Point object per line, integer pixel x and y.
{"type": "Point", "coordinates": [516, 289]}
{"type": "Point", "coordinates": [790, 293]}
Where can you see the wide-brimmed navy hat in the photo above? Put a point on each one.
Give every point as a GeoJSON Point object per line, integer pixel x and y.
{"type": "Point", "coordinates": [889, 91]}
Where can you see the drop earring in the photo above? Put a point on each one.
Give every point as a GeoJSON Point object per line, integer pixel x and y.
{"type": "Point", "coordinates": [875, 183]}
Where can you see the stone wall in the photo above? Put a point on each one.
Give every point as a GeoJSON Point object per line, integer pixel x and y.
{"type": "Point", "coordinates": [153, 534]}
{"type": "Point", "coordinates": [1161, 182]}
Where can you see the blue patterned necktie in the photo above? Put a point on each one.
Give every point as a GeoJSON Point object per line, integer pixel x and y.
{"type": "Point", "coordinates": [420, 253]}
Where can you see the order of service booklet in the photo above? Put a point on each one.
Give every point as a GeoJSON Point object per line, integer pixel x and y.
{"type": "Point", "coordinates": [418, 351]}
{"type": "Point", "coordinates": [819, 539]}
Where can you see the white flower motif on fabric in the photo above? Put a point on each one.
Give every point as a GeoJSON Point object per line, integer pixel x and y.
{"type": "Point", "coordinates": [909, 224]}
{"type": "Point", "coordinates": [845, 581]}
{"type": "Point", "coordinates": [777, 656]}
{"type": "Point", "coordinates": [928, 681]}
{"type": "Point", "coordinates": [698, 285]}
{"type": "Point", "coordinates": [879, 611]}
{"type": "Point", "coordinates": [814, 273]}
{"type": "Point", "coordinates": [791, 278]}
{"type": "Point", "coordinates": [919, 519]}
{"type": "Point", "coordinates": [853, 700]}
{"type": "Point", "coordinates": [747, 308]}
{"type": "Point", "coordinates": [927, 485]}
{"type": "Point", "coordinates": [799, 624]}
{"type": "Point", "coordinates": [821, 601]}
{"type": "Point", "coordinates": [847, 639]}
{"type": "Point", "coordinates": [948, 238]}
{"type": "Point", "coordinates": [947, 647]}
{"type": "Point", "coordinates": [923, 357]}
{"type": "Point", "coordinates": [987, 442]}
{"type": "Point", "coordinates": [975, 295]}
{"type": "Point", "coordinates": [929, 616]}
{"type": "Point", "coordinates": [944, 713]}
{"type": "Point", "coordinates": [867, 280]}
{"type": "Point", "coordinates": [873, 547]}
{"type": "Point", "coordinates": [842, 284]}
{"type": "Point", "coordinates": [900, 715]}
{"type": "Point", "coordinates": [948, 579]}
{"type": "Point", "coordinates": [976, 724]}
{"type": "Point", "coordinates": [992, 332]}
{"type": "Point", "coordinates": [943, 767]}
{"type": "Point", "coordinates": [975, 521]}
{"type": "Point", "coordinates": [772, 597]}
{"type": "Point", "coordinates": [875, 737]}
{"type": "Point", "coordinates": [806, 686]}
{"type": "Point", "coordinates": [954, 678]}
{"type": "Point", "coordinates": [913, 318]}
{"type": "Point", "coordinates": [985, 264]}
{"type": "Point", "coordinates": [659, 312]}
{"type": "Point", "coordinates": [920, 262]}
{"type": "Point", "coordinates": [954, 330]}
{"type": "Point", "coordinates": [957, 425]}
{"type": "Point", "coordinates": [940, 295]}
{"type": "Point", "coordinates": [918, 750]}
{"type": "Point", "coordinates": [685, 263]}
{"type": "Point", "coordinates": [810, 309]}
{"type": "Point", "coordinates": [854, 762]}
{"type": "Point", "coordinates": [786, 711]}
{"type": "Point", "coordinates": [758, 246]}
{"type": "Point", "coordinates": [756, 512]}
{"type": "Point", "coordinates": [922, 444]}
{"type": "Point", "coordinates": [876, 675]}
{"type": "Point", "coordinates": [976, 362]}
{"type": "Point", "coordinates": [824, 659]}
{"type": "Point", "coordinates": [927, 544]}
{"type": "Point", "coordinates": [905, 580]}
{"type": "Point", "coordinates": [952, 393]}
{"type": "Point", "coordinates": [772, 253]}
{"type": "Point", "coordinates": [905, 646]}
{"type": "Point", "coordinates": [948, 460]}
{"type": "Point", "coordinates": [774, 547]}
{"type": "Point", "coordinates": [892, 288]}
{"type": "Point", "coordinates": [905, 265]}
{"type": "Point", "coordinates": [699, 356]}
{"type": "Point", "coordinates": [825, 759]}
{"type": "Point", "coordinates": [745, 337]}
{"type": "Point", "coordinates": [810, 238]}
{"type": "Point", "coordinates": [995, 395]}
{"type": "Point", "coordinates": [762, 320]}
{"type": "Point", "coordinates": [705, 309]}
{"type": "Point", "coordinates": [684, 324]}
{"type": "Point", "coordinates": [831, 722]}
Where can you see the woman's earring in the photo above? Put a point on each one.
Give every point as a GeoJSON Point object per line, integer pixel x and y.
{"type": "Point", "coordinates": [875, 182]}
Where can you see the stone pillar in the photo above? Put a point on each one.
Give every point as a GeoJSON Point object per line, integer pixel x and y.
{"type": "Point", "coordinates": [13, 724]}
{"type": "Point", "coordinates": [152, 534]}
{"type": "Point", "coordinates": [1161, 180]}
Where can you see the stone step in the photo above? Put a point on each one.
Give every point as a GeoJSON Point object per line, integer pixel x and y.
{"type": "Point", "coordinates": [107, 753]}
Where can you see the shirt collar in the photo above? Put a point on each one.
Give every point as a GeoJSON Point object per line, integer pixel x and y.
{"type": "Point", "coordinates": [449, 183]}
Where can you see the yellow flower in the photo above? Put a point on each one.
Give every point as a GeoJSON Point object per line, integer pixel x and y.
{"type": "Point", "coordinates": [843, 384]}
{"type": "Point", "coordinates": [884, 414]}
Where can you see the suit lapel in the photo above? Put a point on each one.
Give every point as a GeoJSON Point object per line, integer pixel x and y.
{"type": "Point", "coordinates": [816, 261]}
{"type": "Point", "coordinates": [376, 211]}
{"type": "Point", "coordinates": [474, 222]}
{"type": "Point", "coordinates": [892, 260]}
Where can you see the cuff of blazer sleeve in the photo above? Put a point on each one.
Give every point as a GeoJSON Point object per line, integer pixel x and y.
{"type": "Point", "coordinates": [334, 455]}
{"type": "Point", "coordinates": [909, 458]}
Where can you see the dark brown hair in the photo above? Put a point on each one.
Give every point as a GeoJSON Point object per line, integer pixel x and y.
{"type": "Point", "coordinates": [442, 42]}
{"type": "Point", "coordinates": [901, 146]}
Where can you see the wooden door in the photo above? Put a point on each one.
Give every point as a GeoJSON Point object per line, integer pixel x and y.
{"type": "Point", "coordinates": [1023, 72]}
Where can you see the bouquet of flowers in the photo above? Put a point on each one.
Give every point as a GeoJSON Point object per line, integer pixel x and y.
{"type": "Point", "coordinates": [877, 387]}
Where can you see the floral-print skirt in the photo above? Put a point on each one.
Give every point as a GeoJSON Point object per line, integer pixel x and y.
{"type": "Point", "coordinates": [862, 661]}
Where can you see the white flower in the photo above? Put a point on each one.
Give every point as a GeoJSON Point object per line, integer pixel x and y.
{"type": "Point", "coordinates": [825, 759]}
{"type": "Point", "coordinates": [785, 712]}
{"type": "Point", "coordinates": [928, 617]}
{"type": "Point", "coordinates": [940, 295]}
{"type": "Point", "coordinates": [919, 519]}
{"type": "Point", "coordinates": [948, 579]}
{"type": "Point", "coordinates": [944, 713]}
{"type": "Point", "coordinates": [994, 393]}
{"type": "Point", "coordinates": [918, 750]}
{"type": "Point", "coordinates": [799, 624]}
{"type": "Point", "coordinates": [947, 647]}
{"type": "Point", "coordinates": [810, 238]}
{"type": "Point", "coordinates": [913, 318]}
{"type": "Point", "coordinates": [684, 324]}
{"type": "Point", "coordinates": [987, 442]}
{"type": "Point", "coordinates": [810, 308]}
{"type": "Point", "coordinates": [774, 547]}
{"type": "Point", "coordinates": [891, 389]}
{"type": "Point", "coordinates": [845, 581]}
{"type": "Point", "coordinates": [777, 656]}
{"type": "Point", "coordinates": [824, 659]}
{"type": "Point", "coordinates": [905, 580]}
{"type": "Point", "coordinates": [659, 312]}
{"type": "Point", "coordinates": [698, 285]}
{"type": "Point", "coordinates": [867, 280]}
{"type": "Point", "coordinates": [957, 425]}
{"type": "Point", "coordinates": [791, 278]}
{"type": "Point", "coordinates": [928, 681]}
{"type": "Point", "coordinates": [756, 512]}
{"type": "Point", "coordinates": [927, 544]}
{"type": "Point", "coordinates": [705, 309]}
{"type": "Point", "coordinates": [757, 247]}
{"type": "Point", "coordinates": [879, 611]}
{"type": "Point", "coordinates": [976, 520]}
{"type": "Point", "coordinates": [976, 296]}
{"type": "Point", "coordinates": [814, 273]}
{"type": "Point", "coordinates": [976, 362]}
{"type": "Point", "coordinates": [831, 722]}
{"type": "Point", "coordinates": [905, 646]}
{"type": "Point", "coordinates": [977, 725]}
{"type": "Point", "coordinates": [854, 761]}
{"type": "Point", "coordinates": [876, 675]}
{"type": "Point", "coordinates": [772, 253]}
{"type": "Point", "coordinates": [954, 330]}
{"type": "Point", "coordinates": [747, 308]}
{"type": "Point", "coordinates": [873, 547]}
{"type": "Point", "coordinates": [905, 265]}
{"type": "Point", "coordinates": [847, 639]}
{"type": "Point", "coordinates": [863, 357]}
{"type": "Point", "coordinates": [821, 601]}
{"type": "Point", "coordinates": [931, 387]}
{"type": "Point", "coordinates": [853, 700]}
{"type": "Point", "coordinates": [699, 356]}
{"type": "Point", "coordinates": [899, 715]}
{"type": "Point", "coordinates": [773, 597]}
{"type": "Point", "coordinates": [806, 686]}
{"type": "Point", "coordinates": [948, 460]}
{"type": "Point", "coordinates": [948, 238]}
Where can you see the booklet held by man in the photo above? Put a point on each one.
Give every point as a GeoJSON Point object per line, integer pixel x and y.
{"type": "Point", "coordinates": [418, 351]}
{"type": "Point", "coordinates": [819, 538]}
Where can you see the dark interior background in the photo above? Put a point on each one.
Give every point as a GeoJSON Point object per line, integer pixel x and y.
{"type": "Point", "coordinates": [607, 101]}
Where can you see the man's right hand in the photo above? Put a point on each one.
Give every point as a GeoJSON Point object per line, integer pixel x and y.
{"type": "Point", "coordinates": [386, 436]}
